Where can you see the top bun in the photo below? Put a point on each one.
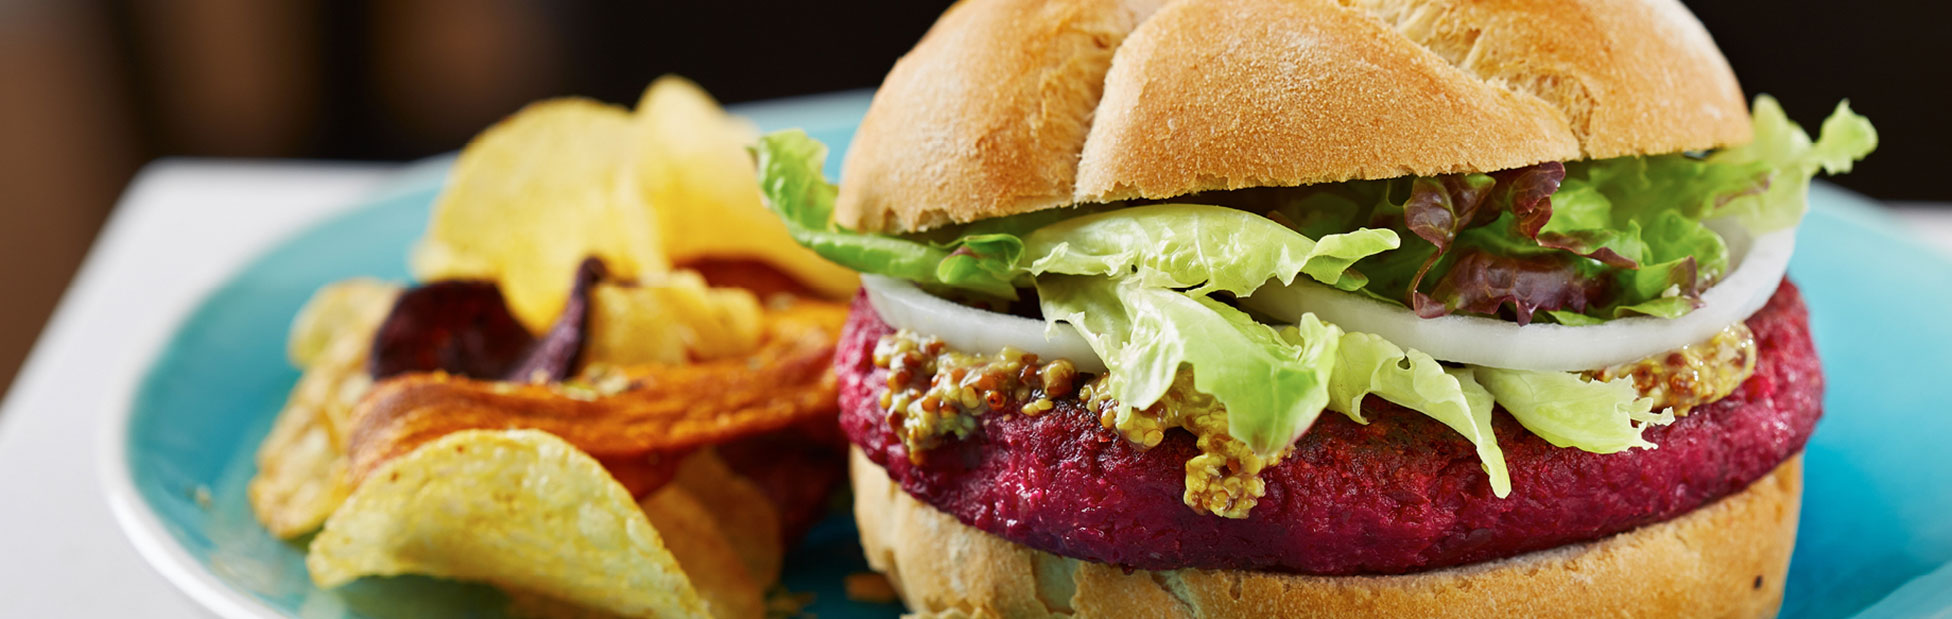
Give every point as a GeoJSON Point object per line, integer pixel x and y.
{"type": "Point", "coordinates": [1011, 106]}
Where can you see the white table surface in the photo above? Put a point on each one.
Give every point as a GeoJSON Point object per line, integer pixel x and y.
{"type": "Point", "coordinates": [181, 228]}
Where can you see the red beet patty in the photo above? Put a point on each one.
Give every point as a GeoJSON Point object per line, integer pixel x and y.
{"type": "Point", "coordinates": [1401, 494]}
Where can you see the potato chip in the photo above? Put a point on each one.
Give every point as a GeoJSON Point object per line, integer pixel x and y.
{"type": "Point", "coordinates": [301, 463]}
{"type": "Point", "coordinates": [350, 308]}
{"type": "Point", "coordinates": [635, 411]}
{"type": "Point", "coordinates": [519, 509]}
{"type": "Point", "coordinates": [708, 558]}
{"type": "Point", "coordinates": [533, 196]}
{"type": "Point", "coordinates": [670, 318]}
{"type": "Point", "coordinates": [643, 474]}
{"type": "Point", "coordinates": [693, 168]}
{"type": "Point", "coordinates": [301, 474]}
{"type": "Point", "coordinates": [741, 510]}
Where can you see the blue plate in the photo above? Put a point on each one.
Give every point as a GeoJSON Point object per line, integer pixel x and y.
{"type": "Point", "coordinates": [1875, 537]}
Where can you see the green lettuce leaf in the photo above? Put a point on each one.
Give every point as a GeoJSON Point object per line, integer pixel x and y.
{"type": "Point", "coordinates": [791, 181]}
{"type": "Point", "coordinates": [1783, 156]}
{"type": "Point", "coordinates": [1367, 364]}
{"type": "Point", "coordinates": [1650, 209]}
{"type": "Point", "coordinates": [1273, 384]}
{"type": "Point", "coordinates": [1187, 245]}
{"type": "Point", "coordinates": [1568, 410]}
{"type": "Point", "coordinates": [1122, 279]}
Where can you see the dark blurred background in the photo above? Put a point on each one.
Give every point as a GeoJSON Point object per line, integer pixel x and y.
{"type": "Point", "coordinates": [90, 90]}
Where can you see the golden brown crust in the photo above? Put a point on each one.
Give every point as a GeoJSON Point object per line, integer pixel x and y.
{"type": "Point", "coordinates": [1304, 92]}
{"type": "Point", "coordinates": [1727, 559]}
{"type": "Point", "coordinates": [986, 115]}
{"type": "Point", "coordinates": [1631, 77]}
{"type": "Point", "coordinates": [1010, 106]}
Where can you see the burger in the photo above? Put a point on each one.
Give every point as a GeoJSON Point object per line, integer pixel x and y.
{"type": "Point", "coordinates": [1305, 307]}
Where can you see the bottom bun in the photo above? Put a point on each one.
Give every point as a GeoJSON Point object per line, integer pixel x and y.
{"type": "Point", "coordinates": [1727, 559]}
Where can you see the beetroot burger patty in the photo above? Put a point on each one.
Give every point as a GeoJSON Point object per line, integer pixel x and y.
{"type": "Point", "coordinates": [1401, 494]}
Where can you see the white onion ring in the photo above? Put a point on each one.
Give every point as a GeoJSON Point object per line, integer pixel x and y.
{"type": "Point", "coordinates": [1758, 264]}
{"type": "Point", "coordinates": [972, 330]}
{"type": "Point", "coordinates": [1757, 270]}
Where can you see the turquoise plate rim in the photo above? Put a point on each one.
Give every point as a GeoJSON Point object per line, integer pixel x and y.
{"type": "Point", "coordinates": [140, 522]}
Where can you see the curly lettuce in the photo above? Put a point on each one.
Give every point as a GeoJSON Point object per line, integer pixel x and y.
{"type": "Point", "coordinates": [1137, 285]}
{"type": "Point", "coordinates": [1273, 383]}
{"type": "Point", "coordinates": [1209, 247]}
{"type": "Point", "coordinates": [1370, 365]}
{"type": "Point", "coordinates": [791, 181]}
{"type": "Point", "coordinates": [1780, 161]}
{"type": "Point", "coordinates": [1568, 410]}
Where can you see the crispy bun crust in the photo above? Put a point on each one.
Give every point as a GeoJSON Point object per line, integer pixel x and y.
{"type": "Point", "coordinates": [1727, 559]}
{"type": "Point", "coordinates": [1011, 106]}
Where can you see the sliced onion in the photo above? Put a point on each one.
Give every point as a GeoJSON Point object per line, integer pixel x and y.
{"type": "Point", "coordinates": [1759, 263]}
{"type": "Point", "coordinates": [972, 330]}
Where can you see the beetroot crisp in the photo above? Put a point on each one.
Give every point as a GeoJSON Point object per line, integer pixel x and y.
{"type": "Point", "coordinates": [1401, 494]}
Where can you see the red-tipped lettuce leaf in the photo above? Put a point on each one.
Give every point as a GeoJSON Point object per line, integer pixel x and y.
{"type": "Point", "coordinates": [1484, 282]}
